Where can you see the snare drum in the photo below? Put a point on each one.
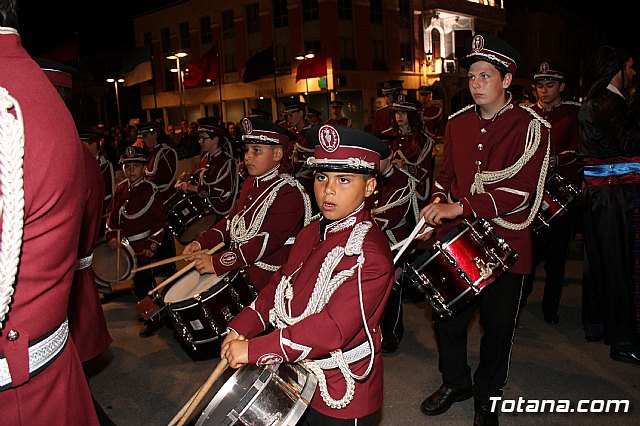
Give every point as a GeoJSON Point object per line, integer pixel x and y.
{"type": "Point", "coordinates": [458, 268]}
{"type": "Point", "coordinates": [559, 194]}
{"type": "Point", "coordinates": [105, 263]}
{"type": "Point", "coordinates": [274, 395]}
{"type": "Point", "coordinates": [203, 305]}
{"type": "Point", "coordinates": [188, 215]}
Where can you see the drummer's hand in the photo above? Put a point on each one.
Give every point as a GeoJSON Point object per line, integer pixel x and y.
{"type": "Point", "coordinates": [189, 188]}
{"type": "Point", "coordinates": [190, 248]}
{"type": "Point", "coordinates": [148, 253]}
{"type": "Point", "coordinates": [204, 264]}
{"type": "Point", "coordinates": [113, 243]}
{"type": "Point", "coordinates": [236, 352]}
{"type": "Point", "coordinates": [232, 335]}
{"type": "Point", "coordinates": [435, 212]}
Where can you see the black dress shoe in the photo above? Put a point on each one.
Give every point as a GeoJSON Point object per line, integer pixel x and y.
{"type": "Point", "coordinates": [551, 318]}
{"type": "Point", "coordinates": [389, 345]}
{"type": "Point", "coordinates": [442, 399]}
{"type": "Point", "coordinates": [625, 355]}
{"type": "Point", "coordinates": [594, 337]}
{"type": "Point", "coordinates": [149, 328]}
{"type": "Point", "coordinates": [484, 416]}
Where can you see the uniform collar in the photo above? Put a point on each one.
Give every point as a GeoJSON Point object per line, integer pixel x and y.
{"type": "Point", "coordinates": [267, 176]}
{"type": "Point", "coordinates": [507, 106]}
{"type": "Point", "coordinates": [341, 225]}
{"type": "Point", "coordinates": [552, 107]}
{"type": "Point", "coordinates": [138, 183]}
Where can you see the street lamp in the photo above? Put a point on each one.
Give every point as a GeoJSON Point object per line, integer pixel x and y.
{"type": "Point", "coordinates": [115, 85]}
{"type": "Point", "coordinates": [176, 56]}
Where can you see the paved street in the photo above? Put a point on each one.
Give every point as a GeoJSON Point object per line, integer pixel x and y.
{"type": "Point", "coordinates": [146, 381]}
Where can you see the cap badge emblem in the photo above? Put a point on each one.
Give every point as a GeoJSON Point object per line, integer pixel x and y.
{"type": "Point", "coordinates": [247, 126]}
{"type": "Point", "coordinates": [400, 98]}
{"type": "Point", "coordinates": [130, 152]}
{"type": "Point", "coordinates": [478, 43]}
{"type": "Point", "coordinates": [544, 67]}
{"type": "Point", "coordinates": [329, 138]}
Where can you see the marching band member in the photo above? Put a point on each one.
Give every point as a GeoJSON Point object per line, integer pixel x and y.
{"type": "Point", "coordinates": [91, 140]}
{"type": "Point", "coordinates": [494, 167]}
{"type": "Point", "coordinates": [412, 147]}
{"type": "Point", "coordinates": [43, 190]}
{"type": "Point", "coordinates": [295, 113]}
{"type": "Point", "coordinates": [383, 117]}
{"type": "Point", "coordinates": [395, 210]}
{"type": "Point", "coordinates": [552, 244]}
{"type": "Point", "coordinates": [271, 209]}
{"type": "Point", "coordinates": [336, 115]}
{"type": "Point", "coordinates": [313, 115]}
{"type": "Point", "coordinates": [136, 210]}
{"type": "Point", "coordinates": [216, 178]}
{"type": "Point", "coordinates": [161, 170]}
{"type": "Point", "coordinates": [431, 114]}
{"type": "Point", "coordinates": [327, 300]}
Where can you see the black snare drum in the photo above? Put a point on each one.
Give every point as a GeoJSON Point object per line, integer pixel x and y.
{"type": "Point", "coordinates": [188, 215]}
{"type": "Point", "coordinates": [455, 270]}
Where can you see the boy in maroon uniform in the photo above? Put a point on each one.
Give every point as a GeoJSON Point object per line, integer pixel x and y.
{"type": "Point", "coordinates": [271, 209]}
{"type": "Point", "coordinates": [494, 166]}
{"type": "Point", "coordinates": [327, 300]}
{"type": "Point", "coordinates": [137, 212]}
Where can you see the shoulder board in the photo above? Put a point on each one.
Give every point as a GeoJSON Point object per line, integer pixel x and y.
{"type": "Point", "coordinates": [387, 130]}
{"type": "Point", "coordinates": [535, 115]}
{"type": "Point", "coordinates": [123, 182]}
{"type": "Point", "coordinates": [465, 109]}
{"type": "Point", "coordinates": [383, 107]}
{"type": "Point", "coordinates": [571, 103]}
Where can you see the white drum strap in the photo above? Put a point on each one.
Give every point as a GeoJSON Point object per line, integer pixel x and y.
{"type": "Point", "coordinates": [11, 196]}
{"type": "Point", "coordinates": [493, 177]}
{"type": "Point", "coordinates": [326, 284]}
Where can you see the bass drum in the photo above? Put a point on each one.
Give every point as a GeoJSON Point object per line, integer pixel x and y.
{"type": "Point", "coordinates": [458, 268]}
{"type": "Point", "coordinates": [273, 395]}
{"type": "Point", "coordinates": [203, 305]}
{"type": "Point", "coordinates": [188, 215]}
{"type": "Point", "coordinates": [110, 267]}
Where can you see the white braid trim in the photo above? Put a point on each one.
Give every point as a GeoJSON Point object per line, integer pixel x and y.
{"type": "Point", "coordinates": [532, 143]}
{"type": "Point", "coordinates": [12, 196]}
{"type": "Point", "coordinates": [326, 284]}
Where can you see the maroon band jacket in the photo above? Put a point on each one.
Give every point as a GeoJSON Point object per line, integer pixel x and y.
{"type": "Point", "coordinates": [54, 188]}
{"type": "Point", "coordinates": [217, 180]}
{"type": "Point", "coordinates": [339, 324]}
{"type": "Point", "coordinates": [137, 211]}
{"type": "Point", "coordinates": [161, 169]}
{"type": "Point", "coordinates": [260, 227]}
{"type": "Point", "coordinates": [87, 324]}
{"type": "Point", "coordinates": [473, 144]}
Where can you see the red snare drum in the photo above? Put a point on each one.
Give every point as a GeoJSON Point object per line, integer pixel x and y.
{"type": "Point", "coordinates": [455, 270]}
{"type": "Point", "coordinates": [559, 194]}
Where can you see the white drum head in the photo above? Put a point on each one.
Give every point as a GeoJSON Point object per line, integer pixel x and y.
{"type": "Point", "coordinates": [191, 284]}
{"type": "Point", "coordinates": [105, 263]}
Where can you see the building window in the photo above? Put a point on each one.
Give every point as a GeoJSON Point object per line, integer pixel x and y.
{"type": "Point", "coordinates": [379, 63]}
{"type": "Point", "coordinates": [146, 39]}
{"type": "Point", "coordinates": [282, 55]}
{"type": "Point", "coordinates": [345, 10]}
{"type": "Point", "coordinates": [170, 80]}
{"type": "Point", "coordinates": [253, 18]}
{"type": "Point", "coordinates": [280, 13]}
{"type": "Point", "coordinates": [347, 54]}
{"type": "Point", "coordinates": [205, 30]}
{"type": "Point", "coordinates": [230, 63]}
{"type": "Point", "coordinates": [227, 23]}
{"type": "Point", "coordinates": [310, 10]}
{"type": "Point", "coordinates": [406, 57]}
{"type": "Point", "coordinates": [312, 46]}
{"type": "Point", "coordinates": [185, 42]}
{"type": "Point", "coordinates": [405, 13]}
{"type": "Point", "coordinates": [165, 39]}
{"type": "Point", "coordinates": [376, 11]}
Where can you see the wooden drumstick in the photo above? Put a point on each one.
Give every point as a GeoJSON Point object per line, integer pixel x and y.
{"type": "Point", "coordinates": [193, 403]}
{"type": "Point", "coordinates": [413, 234]}
{"type": "Point", "coordinates": [182, 271]}
{"type": "Point", "coordinates": [165, 261]}
{"type": "Point", "coordinates": [118, 257]}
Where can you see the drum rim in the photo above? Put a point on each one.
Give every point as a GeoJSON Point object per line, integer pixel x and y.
{"type": "Point", "coordinates": [297, 408]}
{"type": "Point", "coordinates": [127, 249]}
{"type": "Point", "coordinates": [221, 280]}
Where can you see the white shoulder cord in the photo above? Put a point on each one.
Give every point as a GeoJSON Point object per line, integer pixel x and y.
{"type": "Point", "coordinates": [12, 198]}
{"type": "Point", "coordinates": [493, 177]}
{"type": "Point", "coordinates": [325, 286]}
